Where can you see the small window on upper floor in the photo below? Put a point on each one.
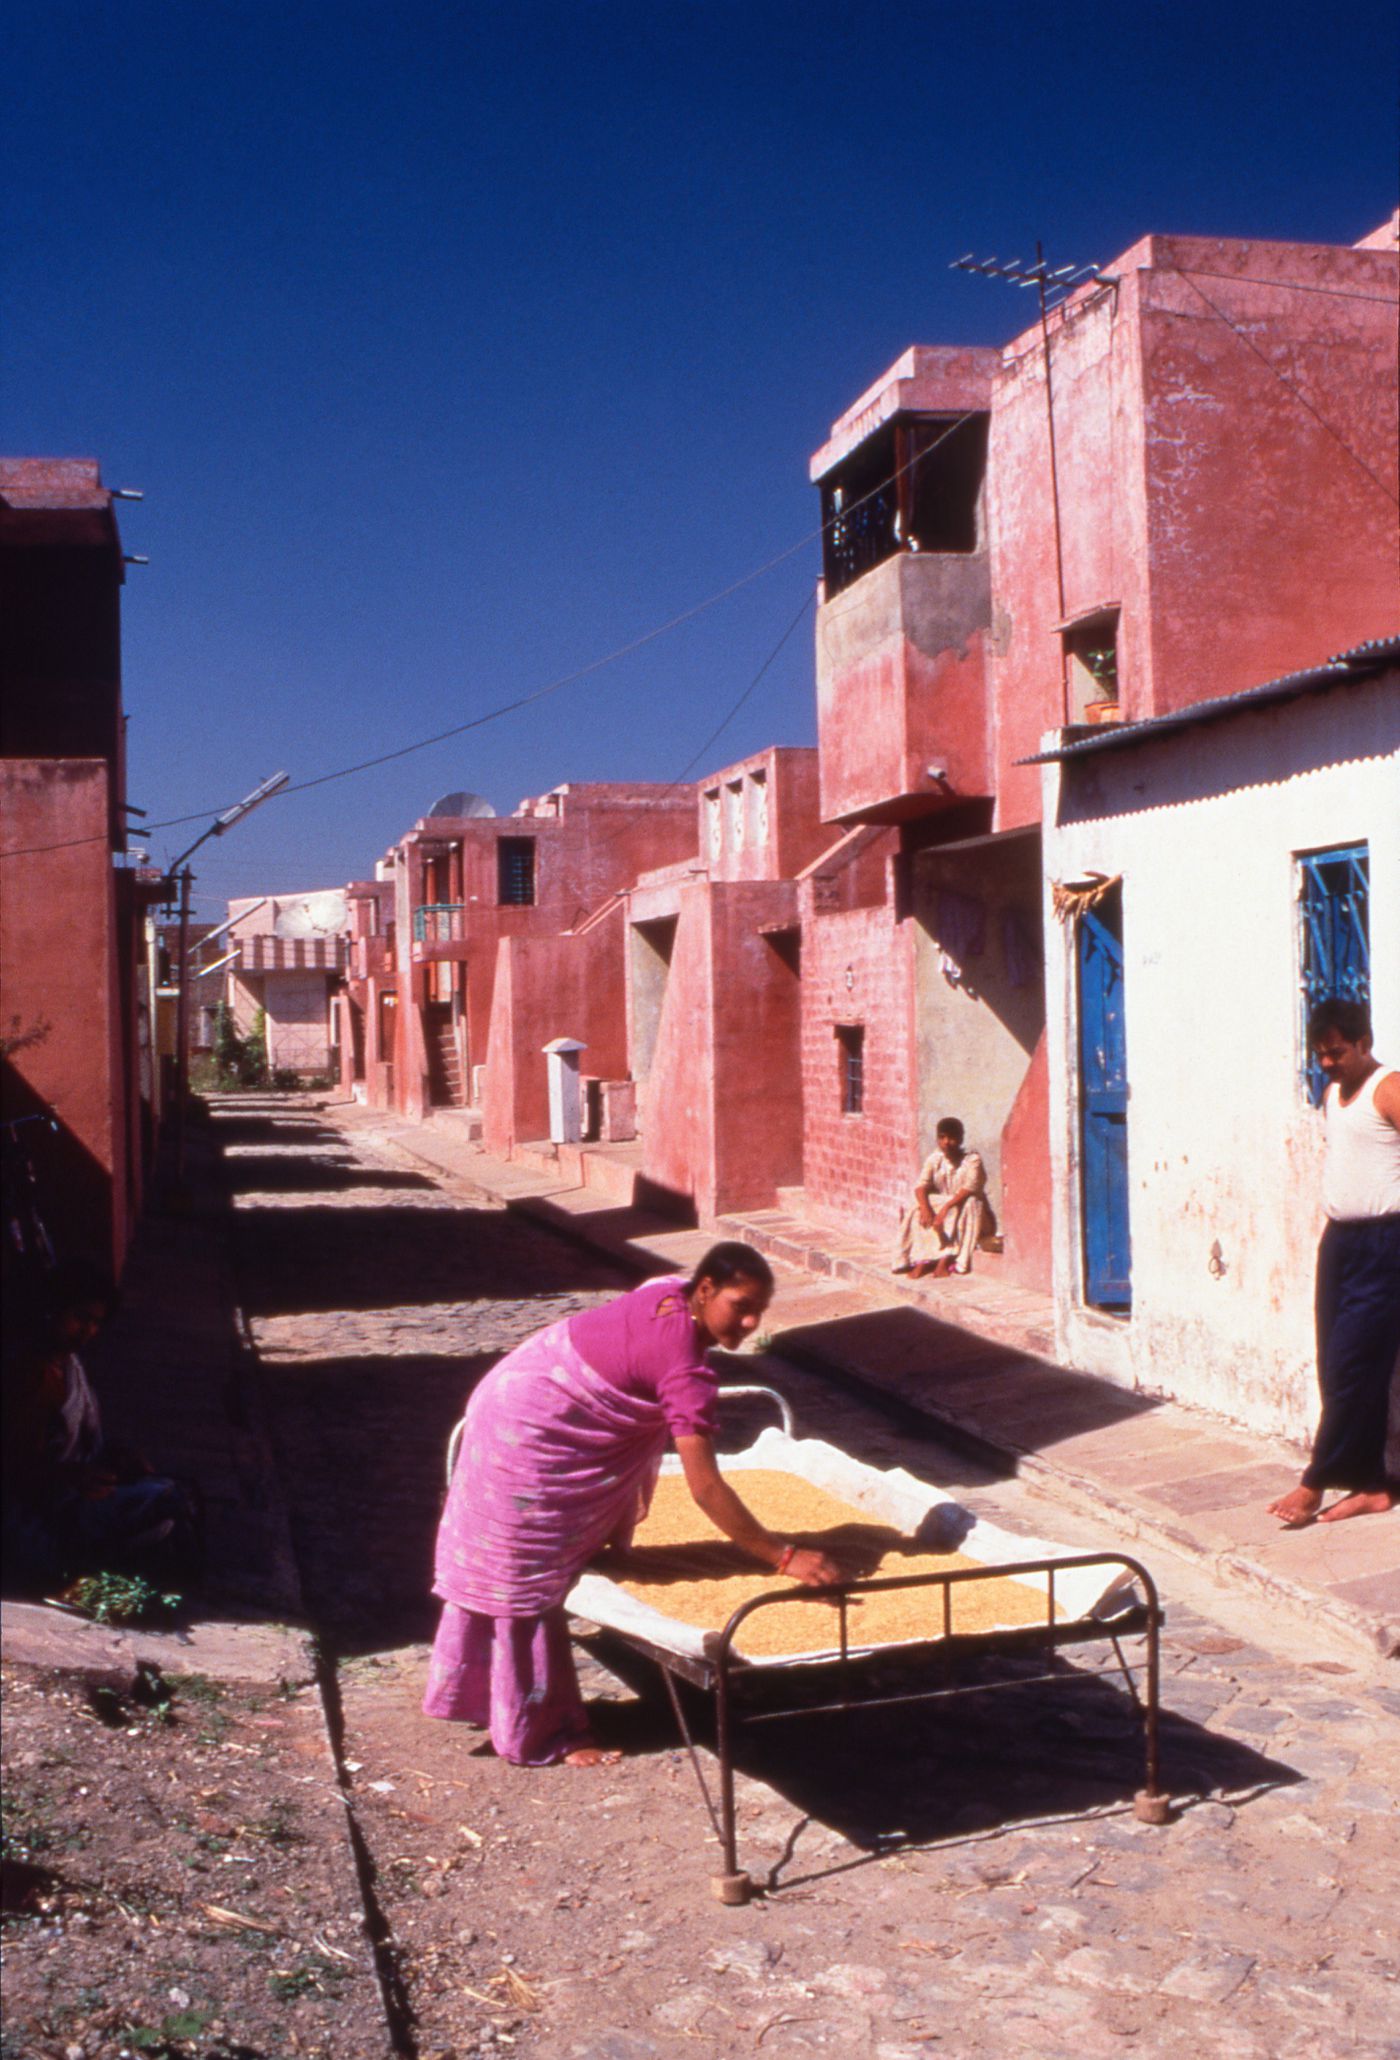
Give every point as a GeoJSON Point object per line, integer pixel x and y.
{"type": "Point", "coordinates": [515, 866]}
{"type": "Point", "coordinates": [714, 827]}
{"type": "Point", "coordinates": [1091, 667]}
{"type": "Point", "coordinates": [850, 1045]}
{"type": "Point", "coordinates": [734, 810]}
{"type": "Point", "coordinates": [758, 809]}
{"type": "Point", "coordinates": [1334, 940]}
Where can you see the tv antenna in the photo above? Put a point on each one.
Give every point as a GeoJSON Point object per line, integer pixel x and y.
{"type": "Point", "coordinates": [1052, 283]}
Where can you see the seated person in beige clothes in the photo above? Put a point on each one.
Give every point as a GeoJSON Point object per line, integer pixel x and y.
{"type": "Point", "coordinates": [951, 1212]}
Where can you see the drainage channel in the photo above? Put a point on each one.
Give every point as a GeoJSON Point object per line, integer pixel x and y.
{"type": "Point", "coordinates": [393, 1995]}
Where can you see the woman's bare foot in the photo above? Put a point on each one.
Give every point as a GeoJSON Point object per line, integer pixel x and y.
{"type": "Point", "coordinates": [591, 1756]}
{"type": "Point", "coordinates": [1297, 1508]}
{"type": "Point", "coordinates": [1375, 1504]}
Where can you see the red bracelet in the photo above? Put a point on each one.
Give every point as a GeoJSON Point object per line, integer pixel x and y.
{"type": "Point", "coordinates": [786, 1561]}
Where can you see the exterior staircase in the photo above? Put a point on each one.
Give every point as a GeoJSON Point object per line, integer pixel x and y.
{"type": "Point", "coordinates": [446, 1087]}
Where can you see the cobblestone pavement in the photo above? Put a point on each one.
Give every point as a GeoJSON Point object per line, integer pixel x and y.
{"type": "Point", "coordinates": [969, 1880]}
{"type": "Point", "coordinates": [374, 1298]}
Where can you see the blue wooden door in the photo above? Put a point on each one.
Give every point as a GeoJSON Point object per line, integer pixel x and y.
{"type": "Point", "coordinates": [1103, 1100]}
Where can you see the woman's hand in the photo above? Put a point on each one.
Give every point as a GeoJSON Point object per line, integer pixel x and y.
{"type": "Point", "coordinates": [813, 1569]}
{"type": "Point", "coordinates": [722, 1506]}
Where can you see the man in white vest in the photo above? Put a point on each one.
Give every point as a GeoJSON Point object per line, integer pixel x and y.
{"type": "Point", "coordinates": [1358, 1274]}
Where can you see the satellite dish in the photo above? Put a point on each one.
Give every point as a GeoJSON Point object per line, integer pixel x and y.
{"type": "Point", "coordinates": [462, 804]}
{"type": "Point", "coordinates": [310, 915]}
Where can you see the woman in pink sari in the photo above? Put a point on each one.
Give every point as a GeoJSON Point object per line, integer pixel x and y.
{"type": "Point", "coordinates": [559, 1455]}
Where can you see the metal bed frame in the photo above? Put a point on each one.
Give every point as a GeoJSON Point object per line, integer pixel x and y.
{"type": "Point", "coordinates": [732, 1680]}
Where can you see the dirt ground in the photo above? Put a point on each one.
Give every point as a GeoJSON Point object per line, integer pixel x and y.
{"type": "Point", "coordinates": [177, 1877]}
{"type": "Point", "coordinates": [965, 1877]}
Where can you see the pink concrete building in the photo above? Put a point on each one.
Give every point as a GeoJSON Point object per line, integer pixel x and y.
{"type": "Point", "coordinates": [287, 956]}
{"type": "Point", "coordinates": [466, 904]}
{"type": "Point", "coordinates": [714, 984]}
{"type": "Point", "coordinates": [1191, 487]}
{"type": "Point", "coordinates": [76, 1049]}
{"type": "Point", "coordinates": [1217, 504]}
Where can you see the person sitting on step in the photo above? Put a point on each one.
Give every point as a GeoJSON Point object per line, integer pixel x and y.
{"type": "Point", "coordinates": [950, 1212]}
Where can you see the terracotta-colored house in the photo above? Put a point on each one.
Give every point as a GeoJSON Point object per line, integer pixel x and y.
{"type": "Point", "coordinates": [483, 937]}
{"type": "Point", "coordinates": [839, 947]}
{"type": "Point", "coordinates": [287, 954]}
{"type": "Point", "coordinates": [72, 932]}
{"type": "Point", "coordinates": [714, 991]}
{"type": "Point", "coordinates": [1220, 507]}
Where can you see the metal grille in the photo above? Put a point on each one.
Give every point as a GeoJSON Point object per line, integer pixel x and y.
{"type": "Point", "coordinates": [857, 538]}
{"type": "Point", "coordinates": [852, 1043]}
{"type": "Point", "coordinates": [438, 922]}
{"type": "Point", "coordinates": [516, 861]}
{"type": "Point", "coordinates": [1334, 894]}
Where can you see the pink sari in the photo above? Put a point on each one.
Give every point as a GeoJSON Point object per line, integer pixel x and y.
{"type": "Point", "coordinates": [555, 1463]}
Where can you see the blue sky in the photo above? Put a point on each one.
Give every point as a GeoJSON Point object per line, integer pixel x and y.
{"type": "Point", "coordinates": [455, 346]}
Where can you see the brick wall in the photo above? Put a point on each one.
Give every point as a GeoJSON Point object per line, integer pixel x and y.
{"type": "Point", "coordinates": [857, 968]}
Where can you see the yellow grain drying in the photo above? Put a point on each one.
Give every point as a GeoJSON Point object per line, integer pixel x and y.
{"type": "Point", "coordinates": [682, 1566]}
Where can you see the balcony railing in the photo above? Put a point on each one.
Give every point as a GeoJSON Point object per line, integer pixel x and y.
{"type": "Point", "coordinates": [439, 922]}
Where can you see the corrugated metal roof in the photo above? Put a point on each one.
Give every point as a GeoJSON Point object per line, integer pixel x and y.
{"type": "Point", "coordinates": [1359, 663]}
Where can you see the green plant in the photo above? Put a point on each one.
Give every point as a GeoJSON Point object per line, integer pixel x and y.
{"type": "Point", "coordinates": [198, 1688]}
{"type": "Point", "coordinates": [238, 1061]}
{"type": "Point", "coordinates": [118, 1598]}
{"type": "Point", "coordinates": [1102, 666]}
{"type": "Point", "coordinates": [187, 2024]}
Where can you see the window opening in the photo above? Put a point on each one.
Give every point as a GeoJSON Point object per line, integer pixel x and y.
{"type": "Point", "coordinates": [916, 485]}
{"type": "Point", "coordinates": [515, 864]}
{"type": "Point", "coordinates": [1334, 896]}
{"type": "Point", "coordinates": [714, 828]}
{"type": "Point", "coordinates": [734, 808]}
{"type": "Point", "coordinates": [758, 801]}
{"type": "Point", "coordinates": [1091, 663]}
{"type": "Point", "coordinates": [850, 1039]}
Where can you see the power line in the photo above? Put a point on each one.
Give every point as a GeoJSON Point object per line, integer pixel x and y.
{"type": "Point", "coordinates": [655, 800]}
{"type": "Point", "coordinates": [476, 722]}
{"type": "Point", "coordinates": [1287, 384]}
{"type": "Point", "coordinates": [1379, 300]}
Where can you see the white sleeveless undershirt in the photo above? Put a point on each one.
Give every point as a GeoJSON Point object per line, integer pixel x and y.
{"type": "Point", "coordinates": [1361, 1171]}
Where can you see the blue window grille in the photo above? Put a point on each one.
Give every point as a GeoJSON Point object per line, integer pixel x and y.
{"type": "Point", "coordinates": [437, 922]}
{"type": "Point", "coordinates": [1334, 893]}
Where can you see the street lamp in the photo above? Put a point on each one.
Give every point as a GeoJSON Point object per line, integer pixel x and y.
{"type": "Point", "coordinates": [263, 792]}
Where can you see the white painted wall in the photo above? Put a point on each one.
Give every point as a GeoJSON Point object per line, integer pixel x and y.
{"type": "Point", "coordinates": [1223, 1149]}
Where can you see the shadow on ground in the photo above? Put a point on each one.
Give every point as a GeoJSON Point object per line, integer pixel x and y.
{"type": "Point", "coordinates": [364, 1441]}
{"type": "Point", "coordinates": [314, 1173]}
{"type": "Point", "coordinates": [297, 1260]}
{"type": "Point", "coordinates": [1017, 1741]}
{"type": "Point", "coordinates": [919, 1361]}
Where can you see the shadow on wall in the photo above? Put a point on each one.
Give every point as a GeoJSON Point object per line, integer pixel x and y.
{"type": "Point", "coordinates": [49, 1170]}
{"type": "Point", "coordinates": [982, 930]}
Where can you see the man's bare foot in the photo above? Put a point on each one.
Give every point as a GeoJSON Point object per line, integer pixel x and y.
{"type": "Point", "coordinates": [1297, 1508]}
{"type": "Point", "coordinates": [1375, 1504]}
{"type": "Point", "coordinates": [591, 1756]}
